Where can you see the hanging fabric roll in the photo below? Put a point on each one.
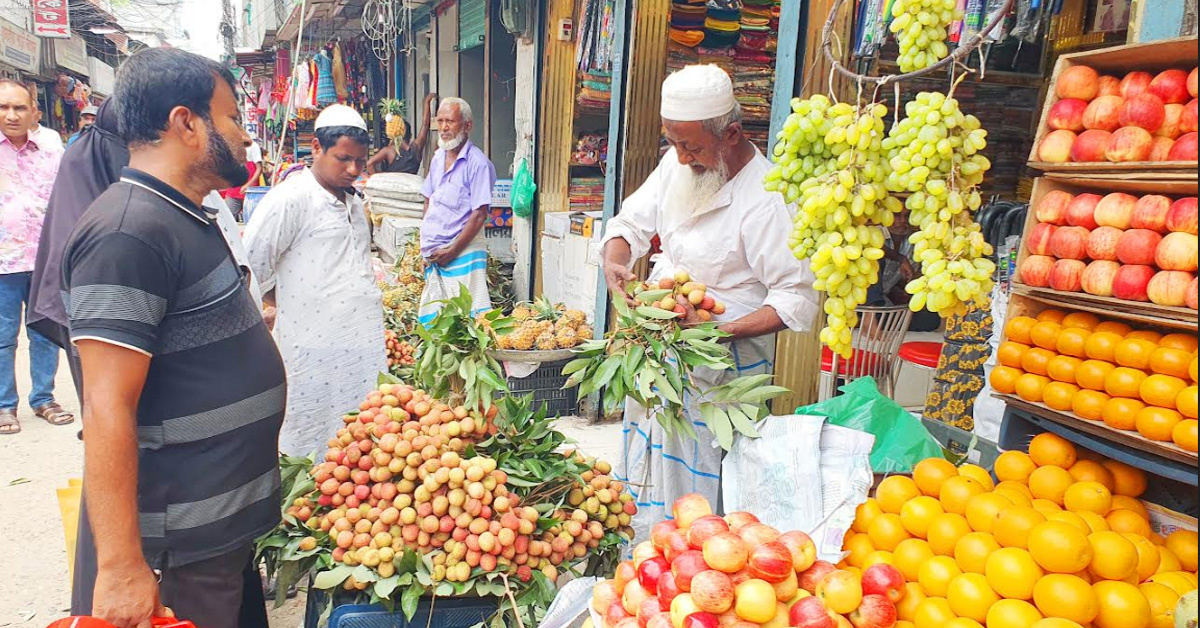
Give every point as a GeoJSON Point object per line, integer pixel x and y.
{"type": "Point", "coordinates": [339, 72]}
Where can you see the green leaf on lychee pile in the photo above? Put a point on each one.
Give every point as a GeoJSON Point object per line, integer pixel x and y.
{"type": "Point", "coordinates": [333, 577]}
{"type": "Point", "coordinates": [409, 600]}
{"type": "Point", "coordinates": [656, 313]}
{"type": "Point", "coordinates": [385, 587]}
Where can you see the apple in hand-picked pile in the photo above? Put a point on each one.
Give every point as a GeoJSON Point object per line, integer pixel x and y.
{"type": "Point", "coordinates": [1140, 117]}
{"type": "Point", "coordinates": [1116, 245]}
{"type": "Point", "coordinates": [700, 570]}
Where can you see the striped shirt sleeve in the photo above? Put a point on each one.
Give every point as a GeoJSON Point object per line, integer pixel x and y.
{"type": "Point", "coordinates": [118, 290]}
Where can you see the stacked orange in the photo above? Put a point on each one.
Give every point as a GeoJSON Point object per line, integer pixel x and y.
{"type": "Point", "coordinates": [1131, 379]}
{"type": "Point", "coordinates": [1061, 539]}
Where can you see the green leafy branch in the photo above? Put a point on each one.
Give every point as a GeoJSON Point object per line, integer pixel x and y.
{"type": "Point", "coordinates": [452, 360]}
{"type": "Point", "coordinates": [650, 358]}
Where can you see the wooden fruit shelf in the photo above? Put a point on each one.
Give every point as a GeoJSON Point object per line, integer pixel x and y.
{"type": "Point", "coordinates": [1169, 451]}
{"type": "Point", "coordinates": [1147, 313]}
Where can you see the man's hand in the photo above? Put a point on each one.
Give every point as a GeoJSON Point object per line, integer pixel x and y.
{"type": "Point", "coordinates": [430, 97]}
{"type": "Point", "coordinates": [126, 596]}
{"type": "Point", "coordinates": [443, 256]}
{"type": "Point", "coordinates": [617, 277]}
{"type": "Point", "coordinates": [269, 314]}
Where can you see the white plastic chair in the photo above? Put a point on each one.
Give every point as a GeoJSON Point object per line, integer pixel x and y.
{"type": "Point", "coordinates": [876, 346]}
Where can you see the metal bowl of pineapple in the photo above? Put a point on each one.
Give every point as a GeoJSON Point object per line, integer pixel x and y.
{"type": "Point", "coordinates": [512, 355]}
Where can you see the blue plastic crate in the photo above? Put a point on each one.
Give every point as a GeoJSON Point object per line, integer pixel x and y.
{"type": "Point", "coordinates": [444, 612]}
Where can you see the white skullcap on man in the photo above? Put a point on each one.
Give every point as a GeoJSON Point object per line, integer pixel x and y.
{"type": "Point", "coordinates": [697, 93]}
{"type": "Point", "coordinates": [339, 115]}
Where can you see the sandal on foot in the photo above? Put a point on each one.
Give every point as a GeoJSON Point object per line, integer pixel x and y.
{"type": "Point", "coordinates": [53, 414]}
{"type": "Point", "coordinates": [8, 421]}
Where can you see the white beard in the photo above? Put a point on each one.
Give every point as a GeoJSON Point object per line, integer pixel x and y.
{"type": "Point", "coordinates": [689, 193]}
{"type": "Point", "coordinates": [452, 144]}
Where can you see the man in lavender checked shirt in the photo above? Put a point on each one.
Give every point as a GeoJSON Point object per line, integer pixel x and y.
{"type": "Point", "coordinates": [458, 193]}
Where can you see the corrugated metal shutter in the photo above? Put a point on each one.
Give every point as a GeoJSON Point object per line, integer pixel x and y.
{"type": "Point", "coordinates": [472, 23]}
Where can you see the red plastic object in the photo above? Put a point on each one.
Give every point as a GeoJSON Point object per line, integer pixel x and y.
{"type": "Point", "coordinates": [84, 621]}
{"type": "Point", "coordinates": [859, 363]}
{"type": "Point", "coordinates": [924, 354]}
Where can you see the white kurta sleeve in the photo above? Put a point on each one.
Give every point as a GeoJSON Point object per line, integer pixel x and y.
{"type": "Point", "coordinates": [789, 281]}
{"type": "Point", "coordinates": [270, 233]}
{"type": "Point", "coordinates": [638, 220]}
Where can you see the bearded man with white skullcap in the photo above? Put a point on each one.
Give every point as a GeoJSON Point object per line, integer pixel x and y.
{"type": "Point", "coordinates": [706, 202]}
{"type": "Point", "coordinates": [309, 245]}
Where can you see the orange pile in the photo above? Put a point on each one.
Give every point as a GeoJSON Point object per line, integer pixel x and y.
{"type": "Point", "coordinates": [1134, 380]}
{"type": "Point", "coordinates": [1061, 539]}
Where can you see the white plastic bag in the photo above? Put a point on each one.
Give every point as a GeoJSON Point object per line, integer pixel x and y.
{"type": "Point", "coordinates": [846, 480]}
{"type": "Point", "coordinates": [778, 476]}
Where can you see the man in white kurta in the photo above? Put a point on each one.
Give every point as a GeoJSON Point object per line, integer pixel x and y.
{"type": "Point", "coordinates": [706, 202]}
{"type": "Point", "coordinates": [309, 245]}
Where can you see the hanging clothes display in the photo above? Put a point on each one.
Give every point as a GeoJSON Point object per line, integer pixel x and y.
{"type": "Point", "coordinates": [339, 73]}
{"type": "Point", "coordinates": [326, 93]}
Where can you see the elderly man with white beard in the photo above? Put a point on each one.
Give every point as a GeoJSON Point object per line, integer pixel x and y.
{"type": "Point", "coordinates": [458, 195]}
{"type": "Point", "coordinates": [707, 204]}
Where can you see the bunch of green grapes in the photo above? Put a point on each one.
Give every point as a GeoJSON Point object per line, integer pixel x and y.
{"type": "Point", "coordinates": [830, 163]}
{"type": "Point", "coordinates": [934, 155]}
{"type": "Point", "coordinates": [921, 27]}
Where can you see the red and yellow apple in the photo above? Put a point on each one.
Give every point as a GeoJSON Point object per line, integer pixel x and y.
{"type": "Point", "coordinates": [682, 606]}
{"type": "Point", "coordinates": [756, 534]}
{"type": "Point", "coordinates": [884, 579]}
{"type": "Point", "coordinates": [651, 571]}
{"type": "Point", "coordinates": [1169, 287]}
{"type": "Point", "coordinates": [1103, 114]}
{"type": "Point", "coordinates": [1150, 212]}
{"type": "Point", "coordinates": [712, 591]}
{"type": "Point", "coordinates": [1035, 270]}
{"type": "Point", "coordinates": [811, 576]}
{"type": "Point", "coordinates": [705, 528]}
{"type": "Point", "coordinates": [686, 566]}
{"type": "Point", "coordinates": [1098, 278]}
{"type": "Point", "coordinates": [1067, 114]}
{"type": "Point", "coordinates": [1191, 83]}
{"type": "Point", "coordinates": [1172, 121]}
{"type": "Point", "coordinates": [841, 591]}
{"type": "Point", "coordinates": [1090, 146]}
{"type": "Point", "coordinates": [1102, 243]}
{"type": "Point", "coordinates": [1176, 251]}
{"type": "Point", "coordinates": [1115, 210]}
{"type": "Point", "coordinates": [726, 552]}
{"type": "Point", "coordinates": [1135, 83]}
{"type": "Point", "coordinates": [1193, 295]}
{"type": "Point", "coordinates": [755, 601]}
{"type": "Point", "coordinates": [802, 549]}
{"type": "Point", "coordinates": [1078, 81]}
{"type": "Point", "coordinates": [739, 520]}
{"type": "Point", "coordinates": [1129, 144]}
{"type": "Point", "coordinates": [1182, 217]}
{"type": "Point", "coordinates": [1131, 280]}
{"type": "Point", "coordinates": [1055, 148]}
{"type": "Point", "coordinates": [633, 597]}
{"type": "Point", "coordinates": [1082, 211]}
{"type": "Point", "coordinates": [689, 508]}
{"type": "Point", "coordinates": [1184, 148]}
{"type": "Point", "coordinates": [810, 612]}
{"type": "Point", "coordinates": [1109, 86]}
{"type": "Point", "coordinates": [1171, 86]}
{"type": "Point", "coordinates": [1187, 119]}
{"type": "Point", "coordinates": [1067, 275]}
{"type": "Point", "coordinates": [659, 533]}
{"type": "Point", "coordinates": [1160, 150]}
{"type": "Point", "coordinates": [1145, 111]}
{"type": "Point", "coordinates": [1136, 246]}
{"type": "Point", "coordinates": [1069, 243]}
{"type": "Point", "coordinates": [1052, 209]}
{"type": "Point", "coordinates": [770, 561]}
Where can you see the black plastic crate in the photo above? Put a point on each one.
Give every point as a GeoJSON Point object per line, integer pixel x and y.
{"type": "Point", "coordinates": [546, 384]}
{"type": "Point", "coordinates": [442, 612]}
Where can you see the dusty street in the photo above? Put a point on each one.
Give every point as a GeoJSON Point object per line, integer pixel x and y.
{"type": "Point", "coordinates": [34, 589]}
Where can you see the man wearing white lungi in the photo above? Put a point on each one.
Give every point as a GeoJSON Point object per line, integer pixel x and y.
{"type": "Point", "coordinates": [458, 197]}
{"type": "Point", "coordinates": [310, 248]}
{"type": "Point", "coordinates": [706, 202]}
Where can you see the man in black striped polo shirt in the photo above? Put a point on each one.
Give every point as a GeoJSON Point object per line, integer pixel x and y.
{"type": "Point", "coordinates": [184, 388]}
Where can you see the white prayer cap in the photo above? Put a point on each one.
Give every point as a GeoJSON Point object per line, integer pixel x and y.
{"type": "Point", "coordinates": [339, 115]}
{"type": "Point", "coordinates": [697, 93]}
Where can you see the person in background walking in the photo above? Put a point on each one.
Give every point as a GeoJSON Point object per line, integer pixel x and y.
{"type": "Point", "coordinates": [87, 118]}
{"type": "Point", "coordinates": [184, 389]}
{"type": "Point", "coordinates": [458, 195]}
{"type": "Point", "coordinates": [405, 155]}
{"type": "Point", "coordinates": [43, 136]}
{"type": "Point", "coordinates": [310, 248]}
{"type": "Point", "coordinates": [28, 169]}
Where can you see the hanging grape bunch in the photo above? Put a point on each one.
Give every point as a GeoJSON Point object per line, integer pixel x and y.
{"type": "Point", "coordinates": [921, 27]}
{"type": "Point", "coordinates": [934, 154]}
{"type": "Point", "coordinates": [830, 163]}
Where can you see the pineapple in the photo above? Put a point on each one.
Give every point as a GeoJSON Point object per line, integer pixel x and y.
{"type": "Point", "coordinates": [574, 318]}
{"type": "Point", "coordinates": [524, 336]}
{"type": "Point", "coordinates": [565, 338]}
{"type": "Point", "coordinates": [546, 342]}
{"type": "Point", "coordinates": [544, 310]}
{"type": "Point", "coordinates": [521, 313]}
{"type": "Point", "coordinates": [584, 332]}
{"type": "Point", "coordinates": [393, 112]}
{"type": "Point", "coordinates": [504, 342]}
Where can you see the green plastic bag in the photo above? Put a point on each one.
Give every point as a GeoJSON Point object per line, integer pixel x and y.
{"type": "Point", "coordinates": [523, 189]}
{"type": "Point", "coordinates": [901, 441]}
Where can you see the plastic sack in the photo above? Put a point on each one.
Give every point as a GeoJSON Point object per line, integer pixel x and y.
{"type": "Point", "coordinates": [777, 476]}
{"type": "Point", "coordinates": [846, 479]}
{"type": "Point", "coordinates": [523, 189]}
{"type": "Point", "coordinates": [900, 439]}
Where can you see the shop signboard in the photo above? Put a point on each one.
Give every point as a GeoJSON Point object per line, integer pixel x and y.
{"type": "Point", "coordinates": [103, 77]}
{"type": "Point", "coordinates": [18, 47]}
{"type": "Point", "coordinates": [71, 54]}
{"type": "Point", "coordinates": [51, 19]}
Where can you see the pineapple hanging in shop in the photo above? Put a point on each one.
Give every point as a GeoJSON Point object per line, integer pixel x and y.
{"type": "Point", "coordinates": [393, 114]}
